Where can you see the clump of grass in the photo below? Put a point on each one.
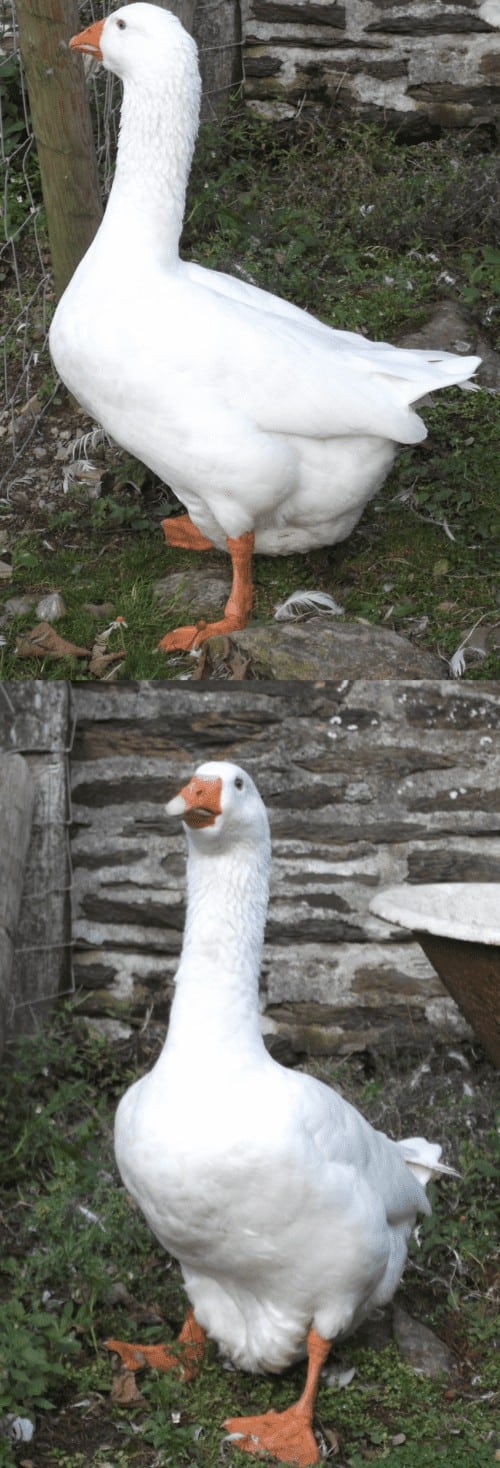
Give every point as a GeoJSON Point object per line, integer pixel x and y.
{"type": "Point", "coordinates": [78, 1264]}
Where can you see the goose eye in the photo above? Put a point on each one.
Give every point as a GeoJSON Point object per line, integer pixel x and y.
{"type": "Point", "coordinates": [122, 25]}
{"type": "Point", "coordinates": [239, 783]}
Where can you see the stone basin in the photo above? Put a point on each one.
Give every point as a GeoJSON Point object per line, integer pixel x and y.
{"type": "Point", "coordinates": [458, 926]}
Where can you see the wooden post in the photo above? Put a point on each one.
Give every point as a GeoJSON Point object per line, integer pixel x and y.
{"type": "Point", "coordinates": [217, 30]}
{"type": "Point", "coordinates": [16, 811]}
{"type": "Point", "coordinates": [183, 9]}
{"type": "Point", "coordinates": [63, 132]}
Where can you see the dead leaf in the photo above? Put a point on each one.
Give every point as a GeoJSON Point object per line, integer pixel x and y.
{"type": "Point", "coordinates": [5, 571]}
{"type": "Point", "coordinates": [201, 664]}
{"type": "Point", "coordinates": [43, 641]}
{"type": "Point", "coordinates": [239, 666]}
{"type": "Point", "coordinates": [100, 662]}
{"type": "Point", "coordinates": [124, 1388]}
{"type": "Point", "coordinates": [333, 1440]}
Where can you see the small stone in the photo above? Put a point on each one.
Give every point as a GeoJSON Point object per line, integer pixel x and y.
{"type": "Point", "coordinates": [18, 606]}
{"type": "Point", "coordinates": [195, 593]}
{"type": "Point", "coordinates": [419, 1346]}
{"type": "Point", "coordinates": [99, 609]}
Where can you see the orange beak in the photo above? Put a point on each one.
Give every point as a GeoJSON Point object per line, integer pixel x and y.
{"type": "Point", "coordinates": [201, 799]}
{"type": "Point", "coordinates": [89, 40]}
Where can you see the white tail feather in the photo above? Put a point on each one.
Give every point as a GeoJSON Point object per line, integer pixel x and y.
{"type": "Point", "coordinates": [422, 1158]}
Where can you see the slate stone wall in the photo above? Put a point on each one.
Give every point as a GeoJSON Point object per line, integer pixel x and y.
{"type": "Point", "coordinates": [420, 64]}
{"type": "Point", "coordinates": [366, 784]}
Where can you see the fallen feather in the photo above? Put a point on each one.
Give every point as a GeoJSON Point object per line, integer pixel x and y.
{"type": "Point", "coordinates": [19, 1429]}
{"type": "Point", "coordinates": [102, 660]}
{"type": "Point", "coordinates": [337, 1377]}
{"type": "Point", "coordinates": [84, 472]}
{"type": "Point", "coordinates": [89, 1216]}
{"type": "Point", "coordinates": [118, 624]}
{"type": "Point", "coordinates": [50, 607]}
{"type": "Point", "coordinates": [479, 641]}
{"type": "Point", "coordinates": [306, 603]}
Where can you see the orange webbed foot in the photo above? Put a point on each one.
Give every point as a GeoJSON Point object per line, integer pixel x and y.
{"type": "Point", "coordinates": [189, 639]}
{"type": "Point", "coordinates": [286, 1436]}
{"type": "Point", "coordinates": [184, 1359]}
{"type": "Point", "coordinates": [180, 532]}
{"type": "Point", "coordinates": [237, 610]}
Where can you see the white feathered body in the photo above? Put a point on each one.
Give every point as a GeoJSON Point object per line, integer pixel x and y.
{"type": "Point", "coordinates": [259, 416]}
{"type": "Point", "coordinates": [285, 1208]}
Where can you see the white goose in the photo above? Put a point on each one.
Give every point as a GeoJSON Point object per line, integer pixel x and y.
{"type": "Point", "coordinates": [273, 429]}
{"type": "Point", "coordinates": [289, 1214]}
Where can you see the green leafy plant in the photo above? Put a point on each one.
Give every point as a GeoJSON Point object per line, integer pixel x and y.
{"type": "Point", "coordinates": [34, 1350]}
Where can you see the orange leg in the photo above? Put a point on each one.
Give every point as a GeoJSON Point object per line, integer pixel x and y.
{"type": "Point", "coordinates": [237, 609]}
{"type": "Point", "coordinates": [180, 531]}
{"type": "Point", "coordinates": [191, 1340]}
{"type": "Point", "coordinates": [286, 1436]}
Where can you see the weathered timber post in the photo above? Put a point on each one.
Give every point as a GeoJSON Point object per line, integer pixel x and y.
{"type": "Point", "coordinates": [16, 811]}
{"type": "Point", "coordinates": [217, 30]}
{"type": "Point", "coordinates": [183, 9]}
{"type": "Point", "coordinates": [62, 127]}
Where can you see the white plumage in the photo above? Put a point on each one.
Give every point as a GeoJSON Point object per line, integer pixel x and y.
{"type": "Point", "coordinates": [286, 1209]}
{"type": "Point", "coordinates": [260, 417]}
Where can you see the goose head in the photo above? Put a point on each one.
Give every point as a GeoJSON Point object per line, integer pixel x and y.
{"type": "Point", "coordinates": [137, 41]}
{"type": "Point", "coordinates": [221, 807]}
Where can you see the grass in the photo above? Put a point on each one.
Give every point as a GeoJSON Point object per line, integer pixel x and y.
{"type": "Point", "coordinates": [370, 234]}
{"type": "Point", "coordinates": [77, 1264]}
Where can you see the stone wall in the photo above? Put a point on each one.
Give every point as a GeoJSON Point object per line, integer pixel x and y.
{"type": "Point", "coordinates": [421, 64]}
{"type": "Point", "coordinates": [366, 784]}
{"type": "Point", "coordinates": [35, 722]}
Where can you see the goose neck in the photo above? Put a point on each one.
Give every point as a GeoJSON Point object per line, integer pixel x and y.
{"type": "Point", "coordinates": [218, 975]}
{"type": "Point", "coordinates": [157, 134]}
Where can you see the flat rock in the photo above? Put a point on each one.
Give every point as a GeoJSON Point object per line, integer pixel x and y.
{"type": "Point", "coordinates": [453, 330]}
{"type": "Point", "coordinates": [322, 649]}
{"type": "Point", "coordinates": [17, 606]}
{"type": "Point", "coordinates": [419, 1346]}
{"type": "Point", "coordinates": [199, 592]}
